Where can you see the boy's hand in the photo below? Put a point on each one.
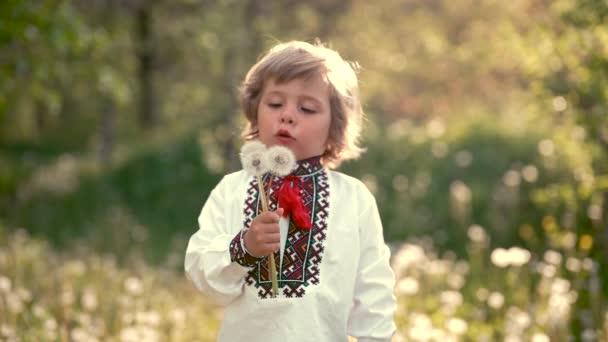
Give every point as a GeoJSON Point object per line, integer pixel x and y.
{"type": "Point", "coordinates": [264, 235]}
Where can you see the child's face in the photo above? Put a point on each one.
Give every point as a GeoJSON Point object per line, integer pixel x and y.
{"type": "Point", "coordinates": [295, 114]}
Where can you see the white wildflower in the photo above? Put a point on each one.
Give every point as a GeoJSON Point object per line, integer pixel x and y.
{"type": "Point", "coordinates": [150, 318]}
{"type": "Point", "coordinates": [280, 160]}
{"type": "Point", "coordinates": [457, 326]}
{"type": "Point", "coordinates": [573, 264]}
{"type": "Point", "coordinates": [130, 334]}
{"type": "Point", "coordinates": [408, 254]}
{"type": "Point", "coordinates": [553, 257]}
{"type": "Point", "coordinates": [540, 337]}
{"type": "Point", "coordinates": [14, 303]}
{"type": "Point", "coordinates": [79, 334]}
{"type": "Point", "coordinates": [455, 281]}
{"type": "Point", "coordinates": [24, 294]}
{"type": "Point", "coordinates": [89, 300]}
{"type": "Point", "coordinates": [5, 284]}
{"type": "Point", "coordinates": [67, 297]}
{"type": "Point", "coordinates": [38, 311]}
{"type": "Point", "coordinates": [518, 256]}
{"type": "Point", "coordinates": [496, 300]}
{"type": "Point", "coordinates": [134, 286]}
{"type": "Point", "coordinates": [178, 316]}
{"type": "Point", "coordinates": [500, 257]}
{"type": "Point", "coordinates": [407, 286]}
{"type": "Point", "coordinates": [477, 234]}
{"type": "Point", "coordinates": [451, 298]}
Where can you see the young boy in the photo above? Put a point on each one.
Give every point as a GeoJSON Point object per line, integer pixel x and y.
{"type": "Point", "coordinates": [334, 277]}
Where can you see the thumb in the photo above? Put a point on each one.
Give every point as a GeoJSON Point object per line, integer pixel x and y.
{"type": "Point", "coordinates": [280, 212]}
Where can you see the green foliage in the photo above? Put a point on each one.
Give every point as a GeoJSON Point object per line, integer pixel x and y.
{"type": "Point", "coordinates": [487, 116]}
{"type": "Point", "coordinates": [159, 193]}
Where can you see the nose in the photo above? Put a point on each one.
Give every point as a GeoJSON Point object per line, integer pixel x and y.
{"type": "Point", "coordinates": [288, 115]}
{"type": "Point", "coordinates": [286, 120]}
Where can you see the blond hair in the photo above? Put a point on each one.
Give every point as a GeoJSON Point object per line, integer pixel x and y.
{"type": "Point", "coordinates": [300, 60]}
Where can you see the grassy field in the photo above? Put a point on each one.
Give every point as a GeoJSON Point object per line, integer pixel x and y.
{"type": "Point", "coordinates": [493, 295]}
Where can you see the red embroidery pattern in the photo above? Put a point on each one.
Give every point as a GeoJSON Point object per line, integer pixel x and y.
{"type": "Point", "coordinates": [303, 249]}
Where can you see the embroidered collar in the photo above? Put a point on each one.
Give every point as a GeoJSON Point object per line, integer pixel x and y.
{"type": "Point", "coordinates": [307, 167]}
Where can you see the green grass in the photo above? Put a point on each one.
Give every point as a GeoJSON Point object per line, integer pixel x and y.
{"type": "Point", "coordinates": [80, 295]}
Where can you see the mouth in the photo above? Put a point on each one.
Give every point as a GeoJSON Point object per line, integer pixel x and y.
{"type": "Point", "coordinates": [284, 136]}
{"type": "Point", "coordinates": [283, 133]}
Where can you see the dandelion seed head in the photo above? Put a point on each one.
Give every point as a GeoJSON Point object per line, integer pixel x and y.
{"type": "Point", "coordinates": [280, 160]}
{"type": "Point", "coordinates": [408, 254]}
{"type": "Point", "coordinates": [254, 163]}
{"type": "Point", "coordinates": [5, 284]}
{"type": "Point", "coordinates": [252, 157]}
{"type": "Point", "coordinates": [559, 103]}
{"type": "Point", "coordinates": [594, 212]}
{"type": "Point", "coordinates": [518, 256]}
{"type": "Point", "coordinates": [500, 257]}
{"type": "Point", "coordinates": [530, 173]}
{"type": "Point", "coordinates": [455, 281]}
{"type": "Point", "coordinates": [178, 316]}
{"type": "Point", "coordinates": [89, 300]}
{"type": "Point", "coordinates": [511, 178]}
{"type": "Point", "coordinates": [134, 286]}
{"type": "Point", "coordinates": [14, 303]}
{"type": "Point", "coordinates": [573, 264]}
{"type": "Point", "coordinates": [451, 298]}
{"type": "Point", "coordinates": [477, 234]}
{"type": "Point", "coordinates": [407, 286]}
{"type": "Point", "coordinates": [540, 337]}
{"type": "Point", "coordinates": [24, 294]}
{"type": "Point", "coordinates": [253, 146]}
{"type": "Point", "coordinates": [546, 148]}
{"type": "Point", "coordinates": [560, 286]}
{"type": "Point", "coordinates": [496, 300]}
{"type": "Point", "coordinates": [589, 335]}
{"type": "Point", "coordinates": [552, 257]}
{"type": "Point", "coordinates": [457, 326]}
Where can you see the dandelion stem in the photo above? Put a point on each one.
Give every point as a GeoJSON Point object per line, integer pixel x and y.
{"type": "Point", "coordinates": [273, 266]}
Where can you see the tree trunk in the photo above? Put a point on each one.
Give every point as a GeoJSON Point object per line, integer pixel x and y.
{"type": "Point", "coordinates": [148, 113]}
{"type": "Point", "coordinates": [41, 117]}
{"type": "Point", "coordinates": [243, 54]}
{"type": "Point", "coordinates": [106, 133]}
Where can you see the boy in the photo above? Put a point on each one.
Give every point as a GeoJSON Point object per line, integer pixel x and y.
{"type": "Point", "coordinates": [334, 277]}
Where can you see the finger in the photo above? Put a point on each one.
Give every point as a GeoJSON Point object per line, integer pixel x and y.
{"type": "Point", "coordinates": [280, 212]}
{"type": "Point", "coordinates": [272, 247]}
{"type": "Point", "coordinates": [269, 228]}
{"type": "Point", "coordinates": [269, 217]}
{"type": "Point", "coordinates": [272, 238]}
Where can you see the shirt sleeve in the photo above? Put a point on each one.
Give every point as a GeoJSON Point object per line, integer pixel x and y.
{"type": "Point", "coordinates": [371, 317]}
{"type": "Point", "coordinates": [215, 259]}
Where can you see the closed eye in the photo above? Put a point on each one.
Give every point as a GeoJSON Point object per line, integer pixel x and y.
{"type": "Point", "coordinates": [274, 105]}
{"type": "Point", "coordinates": [308, 110]}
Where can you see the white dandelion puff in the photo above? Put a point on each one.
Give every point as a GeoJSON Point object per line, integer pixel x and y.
{"type": "Point", "coordinates": [5, 284]}
{"type": "Point", "coordinates": [496, 300]}
{"type": "Point", "coordinates": [252, 158]}
{"type": "Point", "coordinates": [134, 286]}
{"type": "Point", "coordinates": [457, 326]}
{"type": "Point", "coordinates": [253, 146]}
{"type": "Point", "coordinates": [280, 160]}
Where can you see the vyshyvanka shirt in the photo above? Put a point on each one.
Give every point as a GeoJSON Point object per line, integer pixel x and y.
{"type": "Point", "coordinates": [334, 278]}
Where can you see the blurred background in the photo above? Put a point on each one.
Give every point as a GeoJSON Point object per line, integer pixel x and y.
{"type": "Point", "coordinates": [487, 137]}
